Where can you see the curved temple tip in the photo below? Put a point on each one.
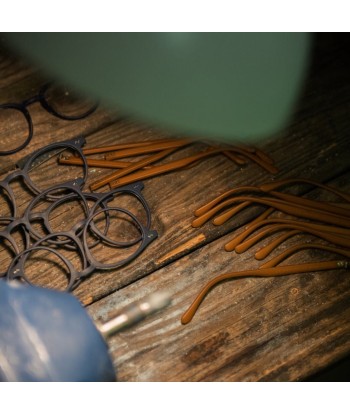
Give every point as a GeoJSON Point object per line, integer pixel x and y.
{"type": "Point", "coordinates": [196, 223]}
{"type": "Point", "coordinates": [186, 317]}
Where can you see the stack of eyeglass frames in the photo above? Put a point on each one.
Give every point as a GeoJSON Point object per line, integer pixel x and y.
{"type": "Point", "coordinates": [58, 230]}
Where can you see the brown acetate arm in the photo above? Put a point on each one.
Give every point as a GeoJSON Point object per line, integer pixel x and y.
{"type": "Point", "coordinates": [269, 272]}
{"type": "Point", "coordinates": [129, 169]}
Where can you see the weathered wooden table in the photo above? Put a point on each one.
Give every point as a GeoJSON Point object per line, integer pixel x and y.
{"type": "Point", "coordinates": [269, 329]}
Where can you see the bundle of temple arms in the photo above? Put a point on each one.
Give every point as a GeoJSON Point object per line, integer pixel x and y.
{"type": "Point", "coordinates": [328, 221]}
{"type": "Point", "coordinates": [140, 169]}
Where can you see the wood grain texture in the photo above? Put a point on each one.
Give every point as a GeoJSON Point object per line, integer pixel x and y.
{"type": "Point", "coordinates": [252, 329]}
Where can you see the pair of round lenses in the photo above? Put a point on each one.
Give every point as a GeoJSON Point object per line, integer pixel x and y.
{"type": "Point", "coordinates": [125, 213]}
{"type": "Point", "coordinates": [16, 126]}
{"type": "Point", "coordinates": [41, 171]}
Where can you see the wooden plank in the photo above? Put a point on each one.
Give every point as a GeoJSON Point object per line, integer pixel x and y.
{"type": "Point", "coordinates": [276, 329]}
{"type": "Point", "coordinates": [174, 197]}
{"type": "Point", "coordinates": [242, 337]}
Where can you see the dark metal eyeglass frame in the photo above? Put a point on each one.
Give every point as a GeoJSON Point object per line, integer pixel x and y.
{"type": "Point", "coordinates": [26, 164]}
{"type": "Point", "coordinates": [100, 201]}
{"type": "Point", "coordinates": [41, 97]}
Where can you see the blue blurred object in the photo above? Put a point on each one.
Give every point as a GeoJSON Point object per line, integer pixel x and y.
{"type": "Point", "coordinates": [47, 335]}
